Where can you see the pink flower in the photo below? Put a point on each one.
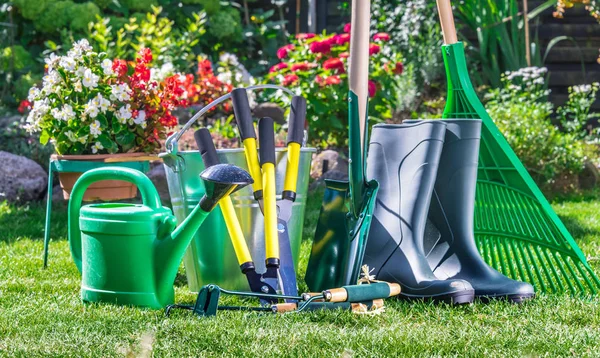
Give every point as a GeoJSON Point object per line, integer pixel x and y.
{"type": "Point", "coordinates": [347, 28]}
{"type": "Point", "coordinates": [344, 55]}
{"type": "Point", "coordinates": [342, 39]}
{"type": "Point", "coordinates": [303, 66]}
{"type": "Point", "coordinates": [278, 67]}
{"type": "Point", "coordinates": [374, 49]}
{"type": "Point", "coordinates": [320, 47]}
{"type": "Point", "coordinates": [381, 36]}
{"type": "Point", "coordinates": [305, 36]}
{"type": "Point", "coordinates": [283, 52]}
{"type": "Point", "coordinates": [320, 81]}
{"type": "Point", "coordinates": [334, 64]}
{"type": "Point", "coordinates": [399, 68]}
{"type": "Point", "coordinates": [372, 88]}
{"type": "Point", "coordinates": [330, 40]}
{"type": "Point", "coordinates": [290, 79]}
{"type": "Point", "coordinates": [333, 80]}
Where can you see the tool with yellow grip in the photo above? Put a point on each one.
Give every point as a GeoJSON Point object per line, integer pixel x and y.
{"type": "Point", "coordinates": [265, 283]}
{"type": "Point", "coordinates": [243, 118]}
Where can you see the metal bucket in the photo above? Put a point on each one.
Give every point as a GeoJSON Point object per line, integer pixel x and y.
{"type": "Point", "coordinates": [210, 258]}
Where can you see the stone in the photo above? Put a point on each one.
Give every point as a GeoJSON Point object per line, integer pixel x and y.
{"type": "Point", "coordinates": [159, 179]}
{"type": "Point", "coordinates": [21, 179]}
{"type": "Point", "coordinates": [269, 109]}
{"type": "Point", "coordinates": [335, 162]}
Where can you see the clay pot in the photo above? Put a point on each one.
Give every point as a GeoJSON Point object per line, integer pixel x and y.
{"type": "Point", "coordinates": [103, 190]}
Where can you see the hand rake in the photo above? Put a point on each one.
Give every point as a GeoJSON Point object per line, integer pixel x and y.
{"type": "Point", "coordinates": [516, 229]}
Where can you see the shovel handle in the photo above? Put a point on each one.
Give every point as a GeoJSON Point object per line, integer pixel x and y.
{"type": "Point", "coordinates": [267, 162]}
{"type": "Point", "coordinates": [209, 157]}
{"type": "Point", "coordinates": [245, 124]}
{"type": "Point", "coordinates": [317, 306]}
{"type": "Point", "coordinates": [360, 293]}
{"type": "Point", "coordinates": [447, 21]}
{"type": "Point", "coordinates": [294, 143]}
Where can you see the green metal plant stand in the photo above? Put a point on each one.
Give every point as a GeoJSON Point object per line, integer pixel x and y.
{"type": "Point", "coordinates": [81, 166]}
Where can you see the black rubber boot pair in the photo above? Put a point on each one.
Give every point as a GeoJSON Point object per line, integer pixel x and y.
{"type": "Point", "coordinates": [430, 168]}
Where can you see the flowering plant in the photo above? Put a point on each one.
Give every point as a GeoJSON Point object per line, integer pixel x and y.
{"type": "Point", "coordinates": [91, 104]}
{"type": "Point", "coordinates": [317, 65]}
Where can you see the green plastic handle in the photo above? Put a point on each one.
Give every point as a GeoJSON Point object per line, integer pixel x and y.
{"type": "Point", "coordinates": [360, 293]}
{"type": "Point", "coordinates": [149, 194]}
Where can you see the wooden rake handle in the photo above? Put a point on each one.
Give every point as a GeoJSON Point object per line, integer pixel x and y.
{"type": "Point", "coordinates": [447, 22]}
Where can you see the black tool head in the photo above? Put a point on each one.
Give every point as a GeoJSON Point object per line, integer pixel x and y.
{"type": "Point", "coordinates": [221, 180]}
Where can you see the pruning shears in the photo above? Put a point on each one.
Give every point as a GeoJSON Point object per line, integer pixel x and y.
{"type": "Point", "coordinates": [266, 282]}
{"type": "Point", "coordinates": [277, 213]}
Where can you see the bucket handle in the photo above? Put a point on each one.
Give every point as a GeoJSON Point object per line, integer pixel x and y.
{"type": "Point", "coordinates": [172, 142]}
{"type": "Point", "coordinates": [149, 194]}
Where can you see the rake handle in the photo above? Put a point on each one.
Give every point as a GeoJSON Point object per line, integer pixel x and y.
{"type": "Point", "coordinates": [447, 22]}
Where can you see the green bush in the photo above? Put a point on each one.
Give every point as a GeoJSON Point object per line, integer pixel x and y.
{"type": "Point", "coordinates": [82, 15]}
{"type": "Point", "coordinates": [16, 57]}
{"type": "Point", "coordinates": [521, 111]}
{"type": "Point", "coordinates": [56, 17]}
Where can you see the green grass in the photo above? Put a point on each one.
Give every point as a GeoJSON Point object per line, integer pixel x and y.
{"type": "Point", "coordinates": [41, 314]}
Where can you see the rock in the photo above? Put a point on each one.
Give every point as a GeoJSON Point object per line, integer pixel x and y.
{"type": "Point", "coordinates": [21, 179]}
{"type": "Point", "coordinates": [589, 177]}
{"type": "Point", "coordinates": [272, 110]}
{"type": "Point", "coordinates": [159, 178]}
{"type": "Point", "coordinates": [335, 162]}
{"type": "Point", "coordinates": [57, 193]}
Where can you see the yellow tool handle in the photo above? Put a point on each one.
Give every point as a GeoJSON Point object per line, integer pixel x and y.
{"type": "Point", "coordinates": [270, 211]}
{"type": "Point", "coordinates": [291, 170]}
{"type": "Point", "coordinates": [235, 231]}
{"type": "Point", "coordinates": [253, 164]}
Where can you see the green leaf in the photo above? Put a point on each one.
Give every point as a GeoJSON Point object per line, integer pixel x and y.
{"type": "Point", "coordinates": [44, 137]}
{"type": "Point", "coordinates": [126, 138]}
{"type": "Point", "coordinates": [107, 143]}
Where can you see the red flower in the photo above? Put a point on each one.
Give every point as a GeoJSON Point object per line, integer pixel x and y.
{"type": "Point", "coordinates": [344, 55]}
{"type": "Point", "coordinates": [381, 36]}
{"type": "Point", "coordinates": [374, 49]}
{"type": "Point", "coordinates": [24, 106]}
{"type": "Point", "coordinates": [320, 81]}
{"type": "Point", "coordinates": [342, 39]}
{"type": "Point", "coordinates": [372, 88]}
{"type": "Point", "coordinates": [333, 80]}
{"type": "Point", "coordinates": [290, 79]}
{"type": "Point", "coordinates": [168, 120]}
{"type": "Point", "coordinates": [303, 66]}
{"type": "Point", "coordinates": [334, 64]}
{"type": "Point", "coordinates": [305, 36]}
{"type": "Point", "coordinates": [283, 52]}
{"type": "Point", "coordinates": [144, 55]}
{"type": "Point", "coordinates": [278, 67]}
{"type": "Point", "coordinates": [204, 68]}
{"type": "Point", "coordinates": [141, 73]}
{"type": "Point", "coordinates": [330, 40]}
{"type": "Point", "coordinates": [399, 68]}
{"type": "Point", "coordinates": [347, 28]}
{"type": "Point", "coordinates": [120, 67]}
{"type": "Point", "coordinates": [320, 47]}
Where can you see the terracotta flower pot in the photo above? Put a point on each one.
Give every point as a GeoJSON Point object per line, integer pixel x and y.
{"type": "Point", "coordinates": [102, 190]}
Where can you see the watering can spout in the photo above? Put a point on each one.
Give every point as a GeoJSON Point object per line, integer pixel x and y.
{"type": "Point", "coordinates": [220, 181]}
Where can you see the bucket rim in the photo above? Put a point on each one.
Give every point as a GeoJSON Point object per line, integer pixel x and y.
{"type": "Point", "coordinates": [241, 150]}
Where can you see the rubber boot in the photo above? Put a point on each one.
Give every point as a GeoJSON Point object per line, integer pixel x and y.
{"type": "Point", "coordinates": [451, 251]}
{"type": "Point", "coordinates": [404, 160]}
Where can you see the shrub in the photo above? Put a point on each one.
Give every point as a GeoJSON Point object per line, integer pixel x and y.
{"type": "Point", "coordinates": [575, 116]}
{"type": "Point", "coordinates": [92, 104]}
{"type": "Point", "coordinates": [316, 65]}
{"type": "Point", "coordinates": [521, 111]}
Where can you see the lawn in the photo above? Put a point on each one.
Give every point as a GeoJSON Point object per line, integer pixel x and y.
{"type": "Point", "coordinates": [41, 314]}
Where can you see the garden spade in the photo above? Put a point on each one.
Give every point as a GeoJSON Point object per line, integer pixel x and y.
{"type": "Point", "coordinates": [345, 218]}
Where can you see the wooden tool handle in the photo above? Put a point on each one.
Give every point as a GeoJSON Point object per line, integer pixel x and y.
{"type": "Point", "coordinates": [447, 22]}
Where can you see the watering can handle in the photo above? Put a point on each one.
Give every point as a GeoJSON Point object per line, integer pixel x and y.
{"type": "Point", "coordinates": [149, 194]}
{"type": "Point", "coordinates": [447, 22]}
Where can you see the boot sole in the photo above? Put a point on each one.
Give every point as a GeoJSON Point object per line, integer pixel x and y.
{"type": "Point", "coordinates": [455, 298]}
{"type": "Point", "coordinates": [516, 299]}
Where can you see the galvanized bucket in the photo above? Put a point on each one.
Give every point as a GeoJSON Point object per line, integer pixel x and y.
{"type": "Point", "coordinates": [210, 257]}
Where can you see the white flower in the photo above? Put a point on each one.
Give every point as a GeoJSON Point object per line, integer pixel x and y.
{"type": "Point", "coordinates": [95, 129]}
{"type": "Point", "coordinates": [82, 139]}
{"type": "Point", "coordinates": [80, 72]}
{"type": "Point", "coordinates": [120, 92]}
{"type": "Point", "coordinates": [91, 108]}
{"type": "Point", "coordinates": [102, 103]}
{"type": "Point", "coordinates": [162, 73]}
{"type": "Point", "coordinates": [55, 112]}
{"type": "Point", "coordinates": [96, 147]}
{"type": "Point", "coordinates": [51, 81]}
{"type": "Point", "coordinates": [141, 118]}
{"type": "Point", "coordinates": [68, 63]}
{"type": "Point", "coordinates": [79, 48]}
{"type": "Point", "coordinates": [90, 80]}
{"type": "Point", "coordinates": [51, 61]}
{"type": "Point", "coordinates": [77, 86]}
{"type": "Point", "coordinates": [67, 112]}
{"type": "Point", "coordinates": [124, 114]}
{"type": "Point", "coordinates": [71, 136]}
{"type": "Point", "coordinates": [107, 67]}
{"type": "Point", "coordinates": [34, 92]}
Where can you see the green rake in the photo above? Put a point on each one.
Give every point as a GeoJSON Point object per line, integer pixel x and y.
{"type": "Point", "coordinates": [517, 231]}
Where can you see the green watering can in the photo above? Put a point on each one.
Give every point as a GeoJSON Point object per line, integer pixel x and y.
{"type": "Point", "coordinates": [129, 254]}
